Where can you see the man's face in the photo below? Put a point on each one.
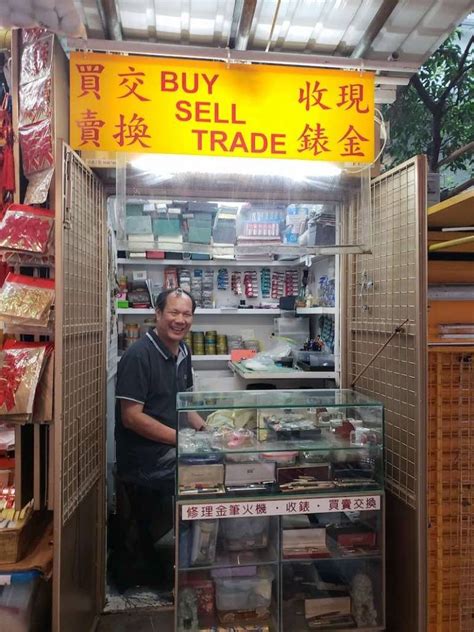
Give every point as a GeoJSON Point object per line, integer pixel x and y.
{"type": "Point", "coordinates": [174, 322]}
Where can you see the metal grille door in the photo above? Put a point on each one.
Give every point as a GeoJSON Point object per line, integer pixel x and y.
{"type": "Point", "coordinates": [386, 289]}
{"type": "Point", "coordinates": [80, 332]}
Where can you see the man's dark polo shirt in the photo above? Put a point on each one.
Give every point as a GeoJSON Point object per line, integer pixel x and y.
{"type": "Point", "coordinates": [151, 375]}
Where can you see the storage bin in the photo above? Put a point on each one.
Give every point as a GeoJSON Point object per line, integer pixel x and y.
{"type": "Point", "coordinates": [321, 361]}
{"type": "Point", "coordinates": [245, 534]}
{"type": "Point", "coordinates": [245, 593]}
{"type": "Point", "coordinates": [317, 360]}
{"type": "Point", "coordinates": [24, 602]}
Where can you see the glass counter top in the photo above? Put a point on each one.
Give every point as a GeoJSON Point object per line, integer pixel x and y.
{"type": "Point", "coordinates": [297, 398]}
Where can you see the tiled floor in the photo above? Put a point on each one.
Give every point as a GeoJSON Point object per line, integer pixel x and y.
{"type": "Point", "coordinates": [137, 622]}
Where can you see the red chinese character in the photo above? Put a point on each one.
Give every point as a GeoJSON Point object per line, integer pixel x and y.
{"type": "Point", "coordinates": [221, 511]}
{"type": "Point", "coordinates": [247, 510]}
{"type": "Point", "coordinates": [358, 503]}
{"type": "Point", "coordinates": [352, 140]}
{"type": "Point", "coordinates": [334, 504]}
{"type": "Point", "coordinates": [90, 79]}
{"type": "Point", "coordinates": [132, 80]}
{"type": "Point", "coordinates": [291, 507]}
{"type": "Point", "coordinates": [260, 508]}
{"type": "Point", "coordinates": [234, 510]}
{"type": "Point", "coordinates": [313, 140]}
{"type": "Point", "coordinates": [371, 503]}
{"type": "Point", "coordinates": [207, 511]}
{"type": "Point", "coordinates": [192, 512]}
{"type": "Point", "coordinates": [353, 95]}
{"type": "Point", "coordinates": [304, 506]}
{"type": "Point", "coordinates": [90, 127]}
{"type": "Point", "coordinates": [312, 97]}
{"type": "Point", "coordinates": [346, 503]}
{"type": "Point", "coordinates": [134, 131]}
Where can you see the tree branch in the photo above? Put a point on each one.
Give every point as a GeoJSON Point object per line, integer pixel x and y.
{"type": "Point", "coordinates": [429, 102]}
{"type": "Point", "coordinates": [459, 73]}
{"type": "Point", "coordinates": [457, 154]}
{"type": "Point", "coordinates": [448, 193]}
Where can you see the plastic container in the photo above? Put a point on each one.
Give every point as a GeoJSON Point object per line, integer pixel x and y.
{"type": "Point", "coordinates": [23, 602]}
{"type": "Point", "coordinates": [245, 593]}
{"type": "Point", "coordinates": [322, 361]}
{"type": "Point", "coordinates": [245, 534]}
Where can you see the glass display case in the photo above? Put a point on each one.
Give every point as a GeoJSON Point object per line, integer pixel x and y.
{"type": "Point", "coordinates": [280, 511]}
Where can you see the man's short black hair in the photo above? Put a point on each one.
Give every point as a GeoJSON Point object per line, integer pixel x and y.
{"type": "Point", "coordinates": [162, 298]}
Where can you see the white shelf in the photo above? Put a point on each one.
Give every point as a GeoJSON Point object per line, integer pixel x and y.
{"type": "Point", "coordinates": [290, 374]}
{"type": "Point", "coordinates": [210, 358]}
{"type": "Point", "coordinates": [135, 312]}
{"type": "Point", "coordinates": [213, 263]}
{"type": "Point", "coordinates": [315, 310]}
{"type": "Point", "coordinates": [203, 311]}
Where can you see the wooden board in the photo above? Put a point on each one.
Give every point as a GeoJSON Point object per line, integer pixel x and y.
{"type": "Point", "coordinates": [448, 312]}
{"type": "Point", "coordinates": [457, 211]}
{"type": "Point", "coordinates": [452, 272]}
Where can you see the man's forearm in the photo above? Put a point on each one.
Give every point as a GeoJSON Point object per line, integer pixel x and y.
{"type": "Point", "coordinates": [150, 428]}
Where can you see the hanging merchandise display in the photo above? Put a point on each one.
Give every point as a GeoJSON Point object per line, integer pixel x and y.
{"type": "Point", "coordinates": [278, 284]}
{"type": "Point", "coordinates": [207, 300]}
{"type": "Point", "coordinates": [43, 393]}
{"type": "Point", "coordinates": [250, 284]}
{"type": "Point", "coordinates": [291, 282]}
{"type": "Point", "coordinates": [265, 282]}
{"type": "Point", "coordinates": [20, 371]}
{"type": "Point", "coordinates": [35, 115]}
{"type": "Point", "coordinates": [26, 300]}
{"type": "Point", "coordinates": [236, 283]}
{"type": "Point", "coordinates": [7, 168]}
{"type": "Point", "coordinates": [26, 229]}
{"type": "Point", "coordinates": [223, 279]}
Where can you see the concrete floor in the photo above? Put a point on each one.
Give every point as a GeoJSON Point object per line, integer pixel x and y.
{"type": "Point", "coordinates": [150, 621]}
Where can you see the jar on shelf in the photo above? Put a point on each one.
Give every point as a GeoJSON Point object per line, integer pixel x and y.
{"type": "Point", "coordinates": [132, 333]}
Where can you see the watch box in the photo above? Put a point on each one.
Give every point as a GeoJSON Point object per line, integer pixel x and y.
{"type": "Point", "coordinates": [241, 475]}
{"type": "Point", "coordinates": [196, 479]}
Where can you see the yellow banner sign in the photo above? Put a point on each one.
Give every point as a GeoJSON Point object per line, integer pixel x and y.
{"type": "Point", "coordinates": [177, 106]}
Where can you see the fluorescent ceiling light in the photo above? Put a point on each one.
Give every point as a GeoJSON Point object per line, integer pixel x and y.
{"type": "Point", "coordinates": [174, 163]}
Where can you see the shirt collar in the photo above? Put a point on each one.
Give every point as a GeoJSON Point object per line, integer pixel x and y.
{"type": "Point", "coordinates": [163, 349]}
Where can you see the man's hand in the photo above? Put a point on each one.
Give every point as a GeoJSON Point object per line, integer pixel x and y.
{"type": "Point", "coordinates": [196, 421]}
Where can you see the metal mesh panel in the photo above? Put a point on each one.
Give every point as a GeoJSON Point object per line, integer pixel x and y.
{"type": "Point", "coordinates": [383, 291]}
{"type": "Point", "coordinates": [450, 490]}
{"type": "Point", "coordinates": [83, 332]}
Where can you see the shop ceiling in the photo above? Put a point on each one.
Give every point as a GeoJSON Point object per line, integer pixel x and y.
{"type": "Point", "coordinates": [392, 37]}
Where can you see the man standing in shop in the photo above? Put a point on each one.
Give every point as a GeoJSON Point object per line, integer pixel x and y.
{"type": "Point", "coordinates": [150, 374]}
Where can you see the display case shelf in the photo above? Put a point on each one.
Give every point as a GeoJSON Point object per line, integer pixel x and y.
{"type": "Point", "coordinates": [233, 561]}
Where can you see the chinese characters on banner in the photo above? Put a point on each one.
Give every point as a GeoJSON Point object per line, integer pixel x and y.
{"type": "Point", "coordinates": [283, 507]}
{"type": "Point", "coordinates": [156, 105]}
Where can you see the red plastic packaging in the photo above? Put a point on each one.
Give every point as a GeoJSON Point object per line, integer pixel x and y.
{"type": "Point", "coordinates": [26, 229]}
